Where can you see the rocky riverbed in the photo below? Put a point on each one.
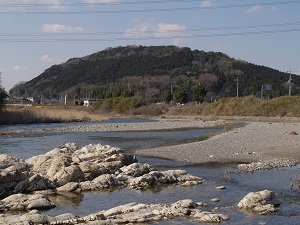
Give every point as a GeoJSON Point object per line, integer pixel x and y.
{"type": "Point", "coordinates": [28, 186]}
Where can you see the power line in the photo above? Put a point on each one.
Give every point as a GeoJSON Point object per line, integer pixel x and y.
{"type": "Point", "coordinates": [152, 37]}
{"type": "Point", "coordinates": [74, 4]}
{"type": "Point", "coordinates": [150, 31]}
{"type": "Point", "coordinates": [150, 10]}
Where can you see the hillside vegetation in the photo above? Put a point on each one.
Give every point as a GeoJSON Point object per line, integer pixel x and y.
{"type": "Point", "coordinates": [155, 74]}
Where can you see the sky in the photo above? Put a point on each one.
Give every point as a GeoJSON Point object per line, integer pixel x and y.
{"type": "Point", "coordinates": [36, 34]}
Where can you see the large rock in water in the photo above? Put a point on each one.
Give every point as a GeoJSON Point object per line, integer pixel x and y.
{"type": "Point", "coordinates": [261, 202]}
{"type": "Point", "coordinates": [15, 177]}
{"type": "Point", "coordinates": [22, 202]}
{"type": "Point", "coordinates": [69, 168]}
{"type": "Point", "coordinates": [69, 163]}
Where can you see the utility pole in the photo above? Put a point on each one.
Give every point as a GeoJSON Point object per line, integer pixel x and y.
{"type": "Point", "coordinates": [290, 82]}
{"type": "Point", "coordinates": [172, 94]}
{"type": "Point", "coordinates": [237, 86]}
{"type": "Point", "coordinates": [0, 79]}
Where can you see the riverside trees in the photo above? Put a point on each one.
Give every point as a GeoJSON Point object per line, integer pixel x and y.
{"type": "Point", "coordinates": [3, 94]}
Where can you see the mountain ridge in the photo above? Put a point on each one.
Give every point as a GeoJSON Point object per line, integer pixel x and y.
{"type": "Point", "coordinates": [114, 70]}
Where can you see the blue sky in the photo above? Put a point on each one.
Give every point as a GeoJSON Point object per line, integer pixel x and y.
{"type": "Point", "coordinates": [36, 34]}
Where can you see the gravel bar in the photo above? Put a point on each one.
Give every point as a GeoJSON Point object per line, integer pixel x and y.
{"type": "Point", "coordinates": [254, 142]}
{"type": "Point", "coordinates": [143, 126]}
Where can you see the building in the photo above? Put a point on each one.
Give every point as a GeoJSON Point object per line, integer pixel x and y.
{"type": "Point", "coordinates": [88, 102]}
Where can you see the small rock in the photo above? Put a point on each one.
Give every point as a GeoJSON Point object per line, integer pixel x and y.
{"type": "Point", "coordinates": [292, 133]}
{"type": "Point", "coordinates": [215, 200]}
{"type": "Point", "coordinates": [208, 217]}
{"type": "Point", "coordinates": [220, 187]}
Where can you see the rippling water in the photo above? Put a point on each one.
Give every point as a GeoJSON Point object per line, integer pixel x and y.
{"type": "Point", "coordinates": [237, 184]}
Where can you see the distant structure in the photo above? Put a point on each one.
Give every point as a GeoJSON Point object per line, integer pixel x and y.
{"type": "Point", "coordinates": [89, 102]}
{"type": "Point", "coordinates": [290, 83]}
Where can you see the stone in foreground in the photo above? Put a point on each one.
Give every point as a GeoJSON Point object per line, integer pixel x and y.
{"type": "Point", "coordinates": [125, 214]}
{"type": "Point", "coordinates": [261, 202]}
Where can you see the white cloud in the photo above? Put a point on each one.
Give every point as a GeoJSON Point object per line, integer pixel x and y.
{"type": "Point", "coordinates": [151, 28]}
{"type": "Point", "coordinates": [207, 3]}
{"type": "Point", "coordinates": [60, 28]}
{"type": "Point", "coordinates": [254, 9]}
{"type": "Point", "coordinates": [18, 68]}
{"type": "Point", "coordinates": [140, 27]}
{"type": "Point", "coordinates": [273, 8]}
{"type": "Point", "coordinates": [102, 1]}
{"type": "Point", "coordinates": [166, 29]}
{"type": "Point", "coordinates": [46, 58]}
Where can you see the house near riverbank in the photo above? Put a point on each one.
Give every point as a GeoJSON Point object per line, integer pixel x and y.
{"type": "Point", "coordinates": [89, 102]}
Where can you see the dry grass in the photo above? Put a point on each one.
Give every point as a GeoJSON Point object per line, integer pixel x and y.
{"type": "Point", "coordinates": [288, 106]}
{"type": "Point", "coordinates": [245, 106]}
{"type": "Point", "coordinates": [48, 114]}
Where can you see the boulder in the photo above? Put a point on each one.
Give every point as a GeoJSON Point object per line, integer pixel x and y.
{"type": "Point", "coordinates": [69, 163]}
{"type": "Point", "coordinates": [22, 202]}
{"type": "Point", "coordinates": [34, 182]}
{"type": "Point", "coordinates": [164, 177]}
{"type": "Point", "coordinates": [70, 187]}
{"type": "Point", "coordinates": [208, 217]}
{"type": "Point", "coordinates": [12, 172]}
{"type": "Point", "coordinates": [28, 218]}
{"type": "Point", "coordinates": [135, 169]}
{"type": "Point", "coordinates": [261, 202]}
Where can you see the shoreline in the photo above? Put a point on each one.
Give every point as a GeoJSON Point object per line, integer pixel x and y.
{"type": "Point", "coordinates": [245, 139]}
{"type": "Point", "coordinates": [254, 142]}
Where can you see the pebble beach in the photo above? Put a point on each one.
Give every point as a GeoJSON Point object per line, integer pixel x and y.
{"type": "Point", "coordinates": [253, 142]}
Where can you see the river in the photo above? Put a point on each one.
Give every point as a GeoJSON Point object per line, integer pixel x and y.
{"type": "Point", "coordinates": [237, 184]}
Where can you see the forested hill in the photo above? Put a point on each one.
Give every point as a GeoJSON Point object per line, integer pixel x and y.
{"type": "Point", "coordinates": [150, 71]}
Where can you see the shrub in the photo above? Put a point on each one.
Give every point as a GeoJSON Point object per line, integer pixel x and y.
{"type": "Point", "coordinates": [120, 104]}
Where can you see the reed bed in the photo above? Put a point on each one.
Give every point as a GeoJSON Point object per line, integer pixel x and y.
{"type": "Point", "coordinates": [48, 114]}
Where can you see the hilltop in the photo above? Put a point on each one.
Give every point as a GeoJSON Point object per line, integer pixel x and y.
{"type": "Point", "coordinates": [150, 73]}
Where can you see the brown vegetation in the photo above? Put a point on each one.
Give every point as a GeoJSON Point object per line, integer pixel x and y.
{"type": "Point", "coordinates": [48, 114]}
{"type": "Point", "coordinates": [246, 106]}
{"type": "Point", "coordinates": [286, 106]}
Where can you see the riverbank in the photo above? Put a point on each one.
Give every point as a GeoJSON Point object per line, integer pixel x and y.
{"type": "Point", "coordinates": [256, 141]}
{"type": "Point", "coordinates": [245, 139]}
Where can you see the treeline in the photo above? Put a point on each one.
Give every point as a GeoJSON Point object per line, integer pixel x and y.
{"type": "Point", "coordinates": [153, 73]}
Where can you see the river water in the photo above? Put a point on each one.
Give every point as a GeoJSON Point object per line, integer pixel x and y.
{"type": "Point", "coordinates": [237, 184]}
